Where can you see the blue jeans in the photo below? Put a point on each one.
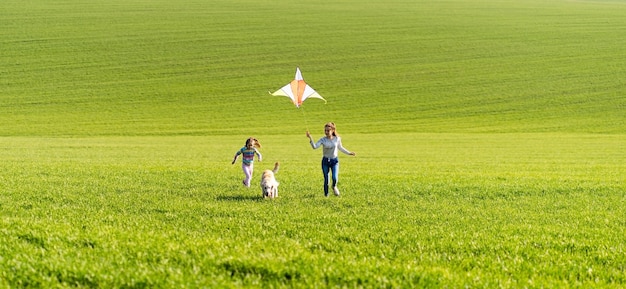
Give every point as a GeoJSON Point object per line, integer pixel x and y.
{"type": "Point", "coordinates": [330, 165]}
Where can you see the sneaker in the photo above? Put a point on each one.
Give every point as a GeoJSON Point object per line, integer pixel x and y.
{"type": "Point", "coordinates": [336, 191]}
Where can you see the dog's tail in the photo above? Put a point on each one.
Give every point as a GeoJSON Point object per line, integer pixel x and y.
{"type": "Point", "coordinates": [276, 167]}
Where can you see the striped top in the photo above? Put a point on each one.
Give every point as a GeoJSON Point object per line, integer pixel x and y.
{"type": "Point", "coordinates": [248, 155]}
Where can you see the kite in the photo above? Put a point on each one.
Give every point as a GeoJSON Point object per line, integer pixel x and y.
{"type": "Point", "coordinates": [297, 90]}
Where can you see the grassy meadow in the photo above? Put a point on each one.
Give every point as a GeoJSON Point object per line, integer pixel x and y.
{"type": "Point", "coordinates": [490, 140]}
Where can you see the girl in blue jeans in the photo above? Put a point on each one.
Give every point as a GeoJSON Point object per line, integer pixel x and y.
{"type": "Point", "coordinates": [331, 144]}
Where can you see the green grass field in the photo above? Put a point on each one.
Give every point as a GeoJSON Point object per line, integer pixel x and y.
{"type": "Point", "coordinates": [490, 140]}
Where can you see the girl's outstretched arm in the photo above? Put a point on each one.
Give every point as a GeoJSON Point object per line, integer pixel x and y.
{"type": "Point", "coordinates": [344, 150]}
{"type": "Point", "coordinates": [258, 155]}
{"type": "Point", "coordinates": [313, 144]}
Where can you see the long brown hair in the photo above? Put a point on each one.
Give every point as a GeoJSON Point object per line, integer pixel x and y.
{"type": "Point", "coordinates": [253, 142]}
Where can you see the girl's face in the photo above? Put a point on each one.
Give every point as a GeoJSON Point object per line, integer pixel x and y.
{"type": "Point", "coordinates": [328, 131]}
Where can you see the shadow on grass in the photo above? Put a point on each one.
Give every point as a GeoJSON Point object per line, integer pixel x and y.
{"type": "Point", "coordinates": [239, 198]}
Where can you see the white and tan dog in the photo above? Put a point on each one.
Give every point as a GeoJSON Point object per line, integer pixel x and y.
{"type": "Point", "coordinates": [269, 185]}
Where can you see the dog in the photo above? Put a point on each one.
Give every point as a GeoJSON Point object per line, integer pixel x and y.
{"type": "Point", "coordinates": [269, 185]}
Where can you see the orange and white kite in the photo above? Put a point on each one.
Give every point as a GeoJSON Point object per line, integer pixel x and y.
{"type": "Point", "coordinates": [297, 90]}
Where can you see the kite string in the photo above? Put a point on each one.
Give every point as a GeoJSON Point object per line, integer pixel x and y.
{"type": "Point", "coordinates": [304, 116]}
